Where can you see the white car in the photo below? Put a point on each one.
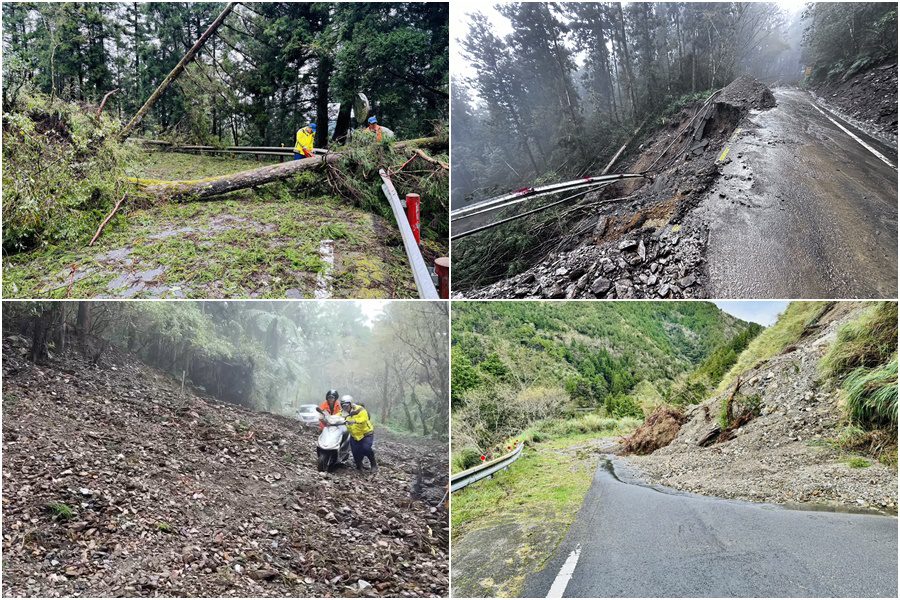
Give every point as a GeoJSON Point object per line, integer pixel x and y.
{"type": "Point", "coordinates": [308, 416]}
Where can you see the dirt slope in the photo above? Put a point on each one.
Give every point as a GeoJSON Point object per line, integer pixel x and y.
{"type": "Point", "coordinates": [183, 496]}
{"type": "Point", "coordinates": [783, 455]}
{"type": "Point", "coordinates": [869, 97]}
{"type": "Point", "coordinates": [642, 245]}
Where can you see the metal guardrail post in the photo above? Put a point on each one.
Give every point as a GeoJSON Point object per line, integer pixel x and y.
{"type": "Point", "coordinates": [421, 274]}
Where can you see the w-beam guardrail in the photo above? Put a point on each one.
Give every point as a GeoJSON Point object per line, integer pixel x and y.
{"type": "Point", "coordinates": [470, 476]}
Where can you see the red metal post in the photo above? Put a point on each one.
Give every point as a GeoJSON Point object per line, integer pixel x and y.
{"type": "Point", "coordinates": [442, 268]}
{"type": "Point", "coordinates": [412, 214]}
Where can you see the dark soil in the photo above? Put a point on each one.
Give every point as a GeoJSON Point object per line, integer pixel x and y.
{"type": "Point", "coordinates": [180, 495]}
{"type": "Point", "coordinates": [869, 97]}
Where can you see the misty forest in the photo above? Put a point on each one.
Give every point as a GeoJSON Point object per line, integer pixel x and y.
{"type": "Point", "coordinates": [117, 117]}
{"type": "Point", "coordinates": [550, 92]}
{"type": "Point", "coordinates": [160, 447]}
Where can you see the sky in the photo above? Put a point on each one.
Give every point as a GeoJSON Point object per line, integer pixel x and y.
{"type": "Point", "coordinates": [460, 12]}
{"type": "Point", "coordinates": [371, 309]}
{"type": "Point", "coordinates": [764, 312]}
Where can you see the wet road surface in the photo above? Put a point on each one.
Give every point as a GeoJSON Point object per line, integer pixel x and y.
{"type": "Point", "coordinates": [802, 210]}
{"type": "Point", "coordinates": [635, 541]}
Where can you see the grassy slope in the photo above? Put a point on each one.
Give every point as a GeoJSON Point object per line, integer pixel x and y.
{"type": "Point", "coordinates": [261, 242]}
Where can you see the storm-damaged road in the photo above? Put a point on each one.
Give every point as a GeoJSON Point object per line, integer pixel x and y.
{"type": "Point", "coordinates": [631, 540]}
{"type": "Point", "coordinates": [802, 210]}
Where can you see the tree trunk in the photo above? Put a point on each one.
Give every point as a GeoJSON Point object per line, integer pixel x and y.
{"type": "Point", "coordinates": [323, 78]}
{"type": "Point", "coordinates": [342, 126]}
{"type": "Point", "coordinates": [181, 191]}
{"type": "Point", "coordinates": [173, 75]}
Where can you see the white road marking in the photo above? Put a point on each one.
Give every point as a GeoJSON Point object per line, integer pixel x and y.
{"type": "Point", "coordinates": [558, 589]}
{"type": "Point", "coordinates": [862, 143]}
{"type": "Point", "coordinates": [323, 279]}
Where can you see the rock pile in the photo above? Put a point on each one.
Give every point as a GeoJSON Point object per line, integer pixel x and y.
{"type": "Point", "coordinates": [116, 484]}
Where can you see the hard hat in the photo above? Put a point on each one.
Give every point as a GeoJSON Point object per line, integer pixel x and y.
{"type": "Point", "coordinates": [312, 126]}
{"type": "Point", "coordinates": [346, 399]}
{"type": "Point", "coordinates": [373, 120]}
{"type": "Point", "coordinates": [332, 394]}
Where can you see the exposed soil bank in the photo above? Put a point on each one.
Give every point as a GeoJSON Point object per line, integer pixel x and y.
{"type": "Point", "coordinates": [869, 97]}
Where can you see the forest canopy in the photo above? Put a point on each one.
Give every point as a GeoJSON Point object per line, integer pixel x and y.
{"type": "Point", "coordinates": [269, 69]}
{"type": "Point", "coordinates": [270, 356]}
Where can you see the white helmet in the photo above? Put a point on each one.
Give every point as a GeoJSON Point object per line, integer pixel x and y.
{"type": "Point", "coordinates": [346, 399]}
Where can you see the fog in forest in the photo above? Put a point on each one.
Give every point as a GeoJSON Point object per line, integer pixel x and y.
{"type": "Point", "coordinates": [548, 91]}
{"type": "Point", "coordinates": [267, 356]}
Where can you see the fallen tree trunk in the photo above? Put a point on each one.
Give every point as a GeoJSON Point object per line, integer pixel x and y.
{"type": "Point", "coordinates": [432, 143]}
{"type": "Point", "coordinates": [200, 189]}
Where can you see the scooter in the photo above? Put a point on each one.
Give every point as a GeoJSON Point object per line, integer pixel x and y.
{"type": "Point", "coordinates": [333, 447]}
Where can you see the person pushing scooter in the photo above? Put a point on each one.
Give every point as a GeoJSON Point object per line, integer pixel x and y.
{"type": "Point", "coordinates": [362, 432]}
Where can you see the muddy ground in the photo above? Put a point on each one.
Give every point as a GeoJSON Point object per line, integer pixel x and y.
{"type": "Point", "coordinates": [264, 243]}
{"type": "Point", "coordinates": [175, 494]}
{"type": "Point", "coordinates": [787, 453]}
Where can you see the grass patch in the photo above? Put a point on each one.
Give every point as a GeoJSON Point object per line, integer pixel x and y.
{"type": "Point", "coordinates": [871, 396]}
{"type": "Point", "coordinates": [540, 493]}
{"type": "Point", "coordinates": [164, 527]}
{"type": "Point", "coordinates": [865, 342]}
{"type": "Point", "coordinates": [858, 462]}
{"type": "Point", "coordinates": [61, 511]}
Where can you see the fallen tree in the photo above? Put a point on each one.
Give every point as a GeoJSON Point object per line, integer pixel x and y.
{"type": "Point", "coordinates": [200, 189]}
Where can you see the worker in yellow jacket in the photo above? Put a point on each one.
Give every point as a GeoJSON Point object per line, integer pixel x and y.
{"type": "Point", "coordinates": [362, 432]}
{"type": "Point", "coordinates": [306, 137]}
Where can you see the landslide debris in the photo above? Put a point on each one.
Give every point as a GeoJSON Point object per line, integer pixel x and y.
{"type": "Point", "coordinates": [657, 431]}
{"type": "Point", "coordinates": [116, 484]}
{"type": "Point", "coordinates": [638, 241]}
{"type": "Point", "coordinates": [778, 441]}
{"type": "Point", "coordinates": [869, 96]}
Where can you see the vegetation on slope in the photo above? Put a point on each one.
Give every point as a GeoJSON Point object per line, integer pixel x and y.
{"type": "Point", "coordinates": [842, 39]}
{"type": "Point", "coordinates": [863, 360]}
{"type": "Point", "coordinates": [515, 364]}
{"type": "Point", "coordinates": [788, 329]}
{"type": "Point", "coordinates": [62, 172]}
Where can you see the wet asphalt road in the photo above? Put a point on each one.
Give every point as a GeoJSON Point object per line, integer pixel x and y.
{"type": "Point", "coordinates": [636, 541]}
{"type": "Point", "coordinates": [817, 217]}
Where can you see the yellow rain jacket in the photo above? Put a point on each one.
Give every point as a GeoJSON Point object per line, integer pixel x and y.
{"type": "Point", "coordinates": [360, 425]}
{"type": "Point", "coordinates": [305, 140]}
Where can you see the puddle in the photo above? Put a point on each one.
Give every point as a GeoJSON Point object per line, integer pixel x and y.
{"type": "Point", "coordinates": [323, 279]}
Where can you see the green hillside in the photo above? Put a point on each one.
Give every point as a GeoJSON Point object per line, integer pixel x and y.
{"type": "Point", "coordinates": [514, 363]}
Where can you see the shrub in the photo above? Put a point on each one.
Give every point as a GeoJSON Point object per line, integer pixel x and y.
{"type": "Point", "coordinates": [62, 172]}
{"type": "Point", "coordinates": [466, 459]}
{"type": "Point", "coordinates": [871, 396]}
{"type": "Point", "coordinates": [868, 341]}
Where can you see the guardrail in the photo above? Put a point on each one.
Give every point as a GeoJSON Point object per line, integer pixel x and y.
{"type": "Point", "coordinates": [421, 273]}
{"type": "Point", "coordinates": [470, 476]}
{"type": "Point", "coordinates": [279, 151]}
